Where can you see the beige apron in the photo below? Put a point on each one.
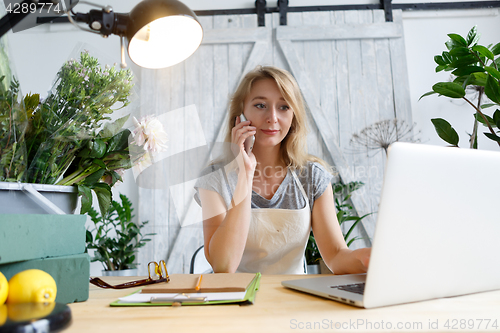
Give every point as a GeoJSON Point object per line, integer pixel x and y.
{"type": "Point", "coordinates": [277, 239]}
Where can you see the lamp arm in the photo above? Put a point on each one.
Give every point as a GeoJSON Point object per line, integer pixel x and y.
{"type": "Point", "coordinates": [107, 9]}
{"type": "Point", "coordinates": [79, 17]}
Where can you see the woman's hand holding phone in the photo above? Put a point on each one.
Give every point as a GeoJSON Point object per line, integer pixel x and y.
{"type": "Point", "coordinates": [243, 135]}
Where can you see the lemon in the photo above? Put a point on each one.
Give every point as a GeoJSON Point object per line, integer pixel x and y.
{"type": "Point", "coordinates": [29, 311]}
{"type": "Point", "coordinates": [3, 314]}
{"type": "Point", "coordinates": [32, 285]}
{"type": "Point", "coordinates": [4, 288]}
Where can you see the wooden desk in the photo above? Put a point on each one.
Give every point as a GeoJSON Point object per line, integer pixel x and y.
{"type": "Point", "coordinates": [278, 309]}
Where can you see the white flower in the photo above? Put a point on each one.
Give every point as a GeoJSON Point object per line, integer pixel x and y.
{"type": "Point", "coordinates": [142, 164]}
{"type": "Point", "coordinates": [150, 134]}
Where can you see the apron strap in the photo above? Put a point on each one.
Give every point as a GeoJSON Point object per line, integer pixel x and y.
{"type": "Point", "coordinates": [300, 187]}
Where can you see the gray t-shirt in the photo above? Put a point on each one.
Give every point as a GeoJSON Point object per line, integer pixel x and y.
{"type": "Point", "coordinates": [314, 179]}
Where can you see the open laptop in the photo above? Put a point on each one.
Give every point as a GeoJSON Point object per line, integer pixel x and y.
{"type": "Point", "coordinates": [437, 230]}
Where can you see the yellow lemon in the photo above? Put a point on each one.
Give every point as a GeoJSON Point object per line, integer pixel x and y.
{"type": "Point", "coordinates": [4, 288]}
{"type": "Point", "coordinates": [29, 311]}
{"type": "Point", "coordinates": [32, 285]}
{"type": "Point", "coordinates": [3, 314]}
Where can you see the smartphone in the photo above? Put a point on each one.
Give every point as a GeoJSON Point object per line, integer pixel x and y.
{"type": "Point", "coordinates": [250, 140]}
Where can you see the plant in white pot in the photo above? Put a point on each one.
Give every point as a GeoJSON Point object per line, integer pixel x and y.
{"type": "Point", "coordinates": [116, 238]}
{"type": "Point", "coordinates": [67, 138]}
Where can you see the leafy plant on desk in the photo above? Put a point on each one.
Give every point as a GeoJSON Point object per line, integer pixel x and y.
{"type": "Point", "coordinates": [116, 252]}
{"type": "Point", "coordinates": [345, 213]}
{"type": "Point", "coordinates": [475, 68]}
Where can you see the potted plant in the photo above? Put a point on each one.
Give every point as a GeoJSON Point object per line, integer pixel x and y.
{"type": "Point", "coordinates": [476, 69]}
{"type": "Point", "coordinates": [67, 139]}
{"type": "Point", "coordinates": [345, 212]}
{"type": "Point", "coordinates": [117, 238]}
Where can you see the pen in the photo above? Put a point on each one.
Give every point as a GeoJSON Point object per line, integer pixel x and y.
{"type": "Point", "coordinates": [198, 284]}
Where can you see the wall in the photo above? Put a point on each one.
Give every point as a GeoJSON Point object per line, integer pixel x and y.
{"type": "Point", "coordinates": [38, 53]}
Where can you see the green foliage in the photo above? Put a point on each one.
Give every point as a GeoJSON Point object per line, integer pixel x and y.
{"type": "Point", "coordinates": [67, 139]}
{"type": "Point", "coordinates": [475, 67]}
{"type": "Point", "coordinates": [116, 252]}
{"type": "Point", "coordinates": [345, 213]}
{"type": "Point", "coordinates": [13, 122]}
{"type": "Point", "coordinates": [445, 131]}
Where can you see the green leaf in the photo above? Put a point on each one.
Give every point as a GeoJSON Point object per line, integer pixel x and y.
{"type": "Point", "coordinates": [94, 177]}
{"type": "Point", "coordinates": [464, 61]}
{"type": "Point", "coordinates": [494, 72]}
{"type": "Point", "coordinates": [496, 49]}
{"type": "Point", "coordinates": [99, 163]}
{"type": "Point", "coordinates": [88, 237]}
{"type": "Point", "coordinates": [484, 51]}
{"type": "Point", "coordinates": [492, 136]}
{"type": "Point", "coordinates": [485, 106]}
{"type": "Point", "coordinates": [492, 89]}
{"type": "Point", "coordinates": [449, 89]}
{"type": "Point", "coordinates": [103, 193]}
{"type": "Point", "coordinates": [111, 129]}
{"type": "Point", "coordinates": [427, 94]}
{"type": "Point", "coordinates": [459, 51]}
{"type": "Point", "coordinates": [478, 79]}
{"type": "Point", "coordinates": [98, 148]}
{"type": "Point", "coordinates": [467, 70]}
{"type": "Point", "coordinates": [458, 39]}
{"type": "Point", "coordinates": [472, 35]}
{"type": "Point", "coordinates": [119, 141]}
{"type": "Point", "coordinates": [440, 68]}
{"type": "Point", "coordinates": [445, 131]}
{"type": "Point", "coordinates": [496, 118]}
{"type": "Point", "coordinates": [439, 60]}
{"type": "Point", "coordinates": [447, 57]}
{"type": "Point", "coordinates": [86, 194]}
{"type": "Point", "coordinates": [480, 119]}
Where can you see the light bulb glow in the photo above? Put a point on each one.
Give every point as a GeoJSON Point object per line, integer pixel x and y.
{"type": "Point", "coordinates": [165, 42]}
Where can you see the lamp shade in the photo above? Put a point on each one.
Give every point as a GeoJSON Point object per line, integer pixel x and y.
{"type": "Point", "coordinates": [162, 33]}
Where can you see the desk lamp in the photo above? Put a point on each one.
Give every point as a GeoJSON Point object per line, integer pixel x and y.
{"type": "Point", "coordinates": [158, 33]}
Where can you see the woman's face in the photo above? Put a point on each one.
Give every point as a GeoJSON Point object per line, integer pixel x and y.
{"type": "Point", "coordinates": [266, 108]}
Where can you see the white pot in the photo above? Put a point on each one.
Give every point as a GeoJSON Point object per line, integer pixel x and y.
{"type": "Point", "coordinates": [313, 269]}
{"type": "Point", "coordinates": [25, 198]}
{"type": "Point", "coordinates": [123, 272]}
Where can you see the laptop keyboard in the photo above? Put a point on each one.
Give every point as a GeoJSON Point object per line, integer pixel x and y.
{"type": "Point", "coordinates": [358, 288]}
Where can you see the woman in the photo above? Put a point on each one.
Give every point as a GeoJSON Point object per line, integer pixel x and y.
{"type": "Point", "coordinates": [258, 210]}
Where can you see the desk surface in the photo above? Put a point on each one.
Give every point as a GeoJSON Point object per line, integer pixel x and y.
{"type": "Point", "coordinates": [278, 309]}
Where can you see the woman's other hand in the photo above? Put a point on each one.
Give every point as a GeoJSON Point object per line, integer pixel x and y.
{"type": "Point", "coordinates": [363, 255]}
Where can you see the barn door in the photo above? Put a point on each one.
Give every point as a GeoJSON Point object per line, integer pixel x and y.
{"type": "Point", "coordinates": [351, 69]}
{"type": "Point", "coordinates": [193, 96]}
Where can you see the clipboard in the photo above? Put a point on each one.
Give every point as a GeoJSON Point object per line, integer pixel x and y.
{"type": "Point", "coordinates": [248, 298]}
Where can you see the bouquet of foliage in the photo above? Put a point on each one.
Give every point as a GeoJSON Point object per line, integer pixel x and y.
{"type": "Point", "coordinates": [68, 138]}
{"type": "Point", "coordinates": [13, 122]}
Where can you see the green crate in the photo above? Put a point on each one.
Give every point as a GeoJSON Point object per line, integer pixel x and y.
{"type": "Point", "coordinates": [36, 236]}
{"type": "Point", "coordinates": [71, 274]}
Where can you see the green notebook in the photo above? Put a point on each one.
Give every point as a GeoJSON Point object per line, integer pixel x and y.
{"type": "Point", "coordinates": [170, 291]}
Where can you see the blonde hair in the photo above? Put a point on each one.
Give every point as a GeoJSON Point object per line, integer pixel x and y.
{"type": "Point", "coordinates": [293, 148]}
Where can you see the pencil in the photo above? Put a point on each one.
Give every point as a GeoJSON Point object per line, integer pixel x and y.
{"type": "Point", "coordinates": [198, 284]}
